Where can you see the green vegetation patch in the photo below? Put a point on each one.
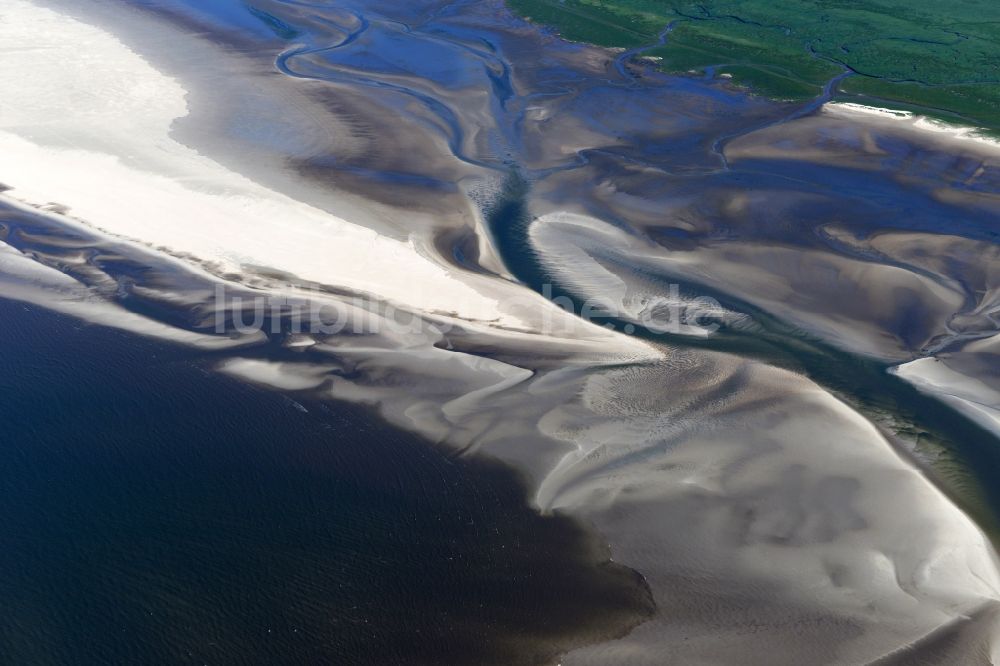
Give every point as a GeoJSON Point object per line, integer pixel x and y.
{"type": "Point", "coordinates": [942, 55]}
{"type": "Point", "coordinates": [591, 22]}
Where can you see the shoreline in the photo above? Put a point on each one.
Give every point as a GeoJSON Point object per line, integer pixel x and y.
{"type": "Point", "coordinates": [694, 460]}
{"type": "Point", "coordinates": [235, 524]}
{"type": "Point", "coordinates": [930, 127]}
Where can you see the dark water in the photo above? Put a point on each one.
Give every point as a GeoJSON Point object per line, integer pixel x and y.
{"type": "Point", "coordinates": [156, 513]}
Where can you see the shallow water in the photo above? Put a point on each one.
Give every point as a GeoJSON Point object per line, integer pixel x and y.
{"type": "Point", "coordinates": [155, 512]}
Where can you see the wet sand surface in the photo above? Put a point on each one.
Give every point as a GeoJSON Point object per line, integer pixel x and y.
{"type": "Point", "coordinates": [448, 162]}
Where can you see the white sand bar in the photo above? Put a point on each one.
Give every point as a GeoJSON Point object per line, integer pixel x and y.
{"type": "Point", "coordinates": [86, 122]}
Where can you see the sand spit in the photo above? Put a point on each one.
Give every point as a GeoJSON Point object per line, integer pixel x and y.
{"type": "Point", "coordinates": [968, 378]}
{"type": "Point", "coordinates": [773, 524]}
{"type": "Point", "coordinates": [24, 279]}
{"type": "Point", "coordinates": [953, 131]}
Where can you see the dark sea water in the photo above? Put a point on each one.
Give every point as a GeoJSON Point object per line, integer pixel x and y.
{"type": "Point", "coordinates": [154, 512]}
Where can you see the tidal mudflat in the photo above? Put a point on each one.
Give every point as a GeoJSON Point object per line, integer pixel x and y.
{"type": "Point", "coordinates": [410, 206]}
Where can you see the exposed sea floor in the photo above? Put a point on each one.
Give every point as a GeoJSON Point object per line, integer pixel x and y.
{"type": "Point", "coordinates": [792, 477]}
